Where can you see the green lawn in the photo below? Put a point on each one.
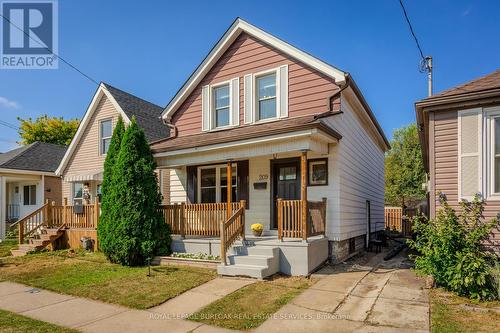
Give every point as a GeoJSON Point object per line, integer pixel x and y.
{"type": "Point", "coordinates": [90, 275]}
{"type": "Point", "coordinates": [450, 314]}
{"type": "Point", "coordinates": [14, 323]}
{"type": "Point", "coordinates": [6, 245]}
{"type": "Point", "coordinates": [251, 305]}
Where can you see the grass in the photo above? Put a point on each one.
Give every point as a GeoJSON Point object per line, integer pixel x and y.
{"type": "Point", "coordinates": [251, 305]}
{"type": "Point", "coordinates": [14, 323]}
{"type": "Point", "coordinates": [451, 313]}
{"type": "Point", "coordinates": [6, 245]}
{"type": "Point", "coordinates": [90, 275]}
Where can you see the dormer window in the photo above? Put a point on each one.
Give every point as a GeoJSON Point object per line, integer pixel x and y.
{"type": "Point", "coordinates": [266, 96]}
{"type": "Point", "coordinates": [106, 131]}
{"type": "Point", "coordinates": [221, 105]}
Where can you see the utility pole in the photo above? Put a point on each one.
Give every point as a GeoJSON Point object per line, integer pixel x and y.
{"type": "Point", "coordinates": [426, 66]}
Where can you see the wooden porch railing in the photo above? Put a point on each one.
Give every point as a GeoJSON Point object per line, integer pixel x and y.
{"type": "Point", "coordinates": [290, 223]}
{"type": "Point", "coordinates": [197, 219]}
{"type": "Point", "coordinates": [231, 229]}
{"type": "Point", "coordinates": [31, 222]}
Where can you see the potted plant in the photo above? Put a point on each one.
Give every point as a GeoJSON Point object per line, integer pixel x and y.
{"type": "Point", "coordinates": [257, 229]}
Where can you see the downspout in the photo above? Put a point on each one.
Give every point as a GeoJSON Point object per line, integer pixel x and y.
{"type": "Point", "coordinates": [331, 97]}
{"type": "Point", "coordinates": [173, 132]}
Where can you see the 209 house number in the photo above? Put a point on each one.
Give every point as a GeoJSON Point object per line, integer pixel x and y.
{"type": "Point", "coordinates": [263, 177]}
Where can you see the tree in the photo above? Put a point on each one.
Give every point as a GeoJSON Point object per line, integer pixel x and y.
{"type": "Point", "coordinates": [105, 220]}
{"type": "Point", "coordinates": [404, 170]}
{"type": "Point", "coordinates": [47, 129]}
{"type": "Point", "coordinates": [137, 230]}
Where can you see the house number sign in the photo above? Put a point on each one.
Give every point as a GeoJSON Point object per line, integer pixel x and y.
{"type": "Point", "coordinates": [263, 177]}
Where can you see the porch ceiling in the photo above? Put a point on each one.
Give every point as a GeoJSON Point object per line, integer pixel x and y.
{"type": "Point", "coordinates": [311, 140]}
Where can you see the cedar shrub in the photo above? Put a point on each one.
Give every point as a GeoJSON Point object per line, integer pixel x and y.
{"type": "Point", "coordinates": [136, 229]}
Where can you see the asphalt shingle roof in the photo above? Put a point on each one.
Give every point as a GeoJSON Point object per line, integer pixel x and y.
{"type": "Point", "coordinates": [37, 156]}
{"type": "Point", "coordinates": [147, 114]}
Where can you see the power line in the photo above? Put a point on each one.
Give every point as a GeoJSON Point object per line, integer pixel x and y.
{"type": "Point", "coordinates": [9, 125]}
{"type": "Point", "coordinates": [48, 49]}
{"type": "Point", "coordinates": [411, 29]}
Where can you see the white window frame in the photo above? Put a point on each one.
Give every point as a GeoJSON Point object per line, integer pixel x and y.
{"type": "Point", "coordinates": [479, 154]}
{"type": "Point", "coordinates": [218, 186]}
{"type": "Point", "coordinates": [73, 192]}
{"type": "Point", "coordinates": [102, 138]}
{"type": "Point", "coordinates": [490, 114]}
{"type": "Point", "coordinates": [255, 96]}
{"type": "Point", "coordinates": [30, 203]}
{"type": "Point", "coordinates": [213, 116]}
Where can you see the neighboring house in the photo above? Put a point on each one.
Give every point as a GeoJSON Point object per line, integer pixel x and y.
{"type": "Point", "coordinates": [27, 179]}
{"type": "Point", "coordinates": [460, 139]}
{"type": "Point", "coordinates": [286, 121]}
{"type": "Point", "coordinates": [82, 166]}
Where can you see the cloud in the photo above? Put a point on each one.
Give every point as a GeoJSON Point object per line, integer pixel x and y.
{"type": "Point", "coordinates": [466, 12]}
{"type": "Point", "coordinates": [8, 104]}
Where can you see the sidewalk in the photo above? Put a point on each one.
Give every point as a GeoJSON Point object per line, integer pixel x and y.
{"type": "Point", "coordinates": [94, 316]}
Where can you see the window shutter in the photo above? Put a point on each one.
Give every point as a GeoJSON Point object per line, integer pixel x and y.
{"type": "Point", "coordinates": [235, 101]}
{"type": "Point", "coordinates": [205, 108]}
{"type": "Point", "coordinates": [283, 91]}
{"type": "Point", "coordinates": [469, 149]}
{"type": "Point", "coordinates": [248, 98]}
{"type": "Point", "coordinates": [243, 183]}
{"type": "Point", "coordinates": [192, 183]}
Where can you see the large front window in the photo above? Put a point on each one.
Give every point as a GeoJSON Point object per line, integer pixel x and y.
{"type": "Point", "coordinates": [106, 130]}
{"type": "Point", "coordinates": [212, 184]}
{"type": "Point", "coordinates": [266, 96]}
{"type": "Point", "coordinates": [221, 105]}
{"type": "Point", "coordinates": [496, 157]}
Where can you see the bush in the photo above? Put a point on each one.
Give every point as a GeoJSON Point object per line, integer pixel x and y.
{"type": "Point", "coordinates": [450, 249]}
{"type": "Point", "coordinates": [137, 229]}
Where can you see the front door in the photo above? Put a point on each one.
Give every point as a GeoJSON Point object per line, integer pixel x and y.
{"type": "Point", "coordinates": [286, 184]}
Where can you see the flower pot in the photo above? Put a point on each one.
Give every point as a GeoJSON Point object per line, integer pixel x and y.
{"type": "Point", "coordinates": [257, 233]}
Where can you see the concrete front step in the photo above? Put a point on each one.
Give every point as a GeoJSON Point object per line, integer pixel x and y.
{"type": "Point", "coordinates": [257, 272]}
{"type": "Point", "coordinates": [253, 261]}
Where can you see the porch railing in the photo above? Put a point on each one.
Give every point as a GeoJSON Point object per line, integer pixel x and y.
{"type": "Point", "coordinates": [231, 229]}
{"type": "Point", "coordinates": [197, 219]}
{"type": "Point", "coordinates": [13, 212]}
{"type": "Point", "coordinates": [31, 222]}
{"type": "Point", "coordinates": [290, 219]}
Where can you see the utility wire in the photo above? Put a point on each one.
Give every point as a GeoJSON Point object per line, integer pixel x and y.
{"type": "Point", "coordinates": [48, 49]}
{"type": "Point", "coordinates": [9, 125]}
{"type": "Point", "coordinates": [411, 29]}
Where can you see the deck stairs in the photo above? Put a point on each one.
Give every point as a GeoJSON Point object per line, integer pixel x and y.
{"type": "Point", "coordinates": [38, 241]}
{"type": "Point", "coordinates": [250, 260]}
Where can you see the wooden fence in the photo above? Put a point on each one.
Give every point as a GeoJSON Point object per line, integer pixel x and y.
{"type": "Point", "coordinates": [397, 220]}
{"type": "Point", "coordinates": [290, 223]}
{"type": "Point", "coordinates": [197, 219]}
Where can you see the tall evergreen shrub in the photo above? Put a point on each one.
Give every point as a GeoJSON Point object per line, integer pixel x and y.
{"type": "Point", "coordinates": [137, 230]}
{"type": "Point", "coordinates": [105, 220]}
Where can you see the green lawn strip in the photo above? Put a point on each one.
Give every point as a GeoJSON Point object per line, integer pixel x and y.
{"type": "Point", "coordinates": [91, 276]}
{"type": "Point", "coordinates": [449, 315]}
{"type": "Point", "coordinates": [250, 306]}
{"type": "Point", "coordinates": [6, 245]}
{"type": "Point", "coordinates": [14, 323]}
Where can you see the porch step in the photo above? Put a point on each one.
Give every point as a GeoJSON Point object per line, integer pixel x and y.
{"type": "Point", "coordinates": [254, 261]}
{"type": "Point", "coordinates": [38, 241]}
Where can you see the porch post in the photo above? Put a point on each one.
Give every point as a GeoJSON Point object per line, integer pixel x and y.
{"type": "Point", "coordinates": [229, 189]}
{"type": "Point", "coordinates": [3, 207]}
{"type": "Point", "coordinates": [303, 193]}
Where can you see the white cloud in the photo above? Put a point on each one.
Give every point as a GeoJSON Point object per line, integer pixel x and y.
{"type": "Point", "coordinates": [8, 104]}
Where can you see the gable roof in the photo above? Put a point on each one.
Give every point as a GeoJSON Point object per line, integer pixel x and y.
{"type": "Point", "coordinates": [127, 105]}
{"type": "Point", "coordinates": [487, 82]}
{"type": "Point", "coordinates": [146, 113]}
{"type": "Point", "coordinates": [37, 156]}
{"type": "Point", "coordinates": [239, 26]}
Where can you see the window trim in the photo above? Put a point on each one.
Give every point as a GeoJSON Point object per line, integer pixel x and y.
{"type": "Point", "coordinates": [101, 137]}
{"type": "Point", "coordinates": [218, 187]}
{"type": "Point", "coordinates": [255, 96]}
{"type": "Point", "coordinates": [310, 163]}
{"type": "Point", "coordinates": [73, 192]}
{"type": "Point", "coordinates": [490, 114]}
{"type": "Point", "coordinates": [479, 113]}
{"type": "Point", "coordinates": [30, 203]}
{"type": "Point", "coordinates": [213, 109]}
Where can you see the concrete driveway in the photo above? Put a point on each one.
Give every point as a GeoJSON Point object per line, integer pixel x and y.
{"type": "Point", "coordinates": [374, 296]}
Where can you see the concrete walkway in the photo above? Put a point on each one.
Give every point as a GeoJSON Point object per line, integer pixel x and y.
{"type": "Point", "coordinates": [93, 316]}
{"type": "Point", "coordinates": [370, 298]}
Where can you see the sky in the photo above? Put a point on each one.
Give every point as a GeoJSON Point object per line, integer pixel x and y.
{"type": "Point", "coordinates": [149, 48]}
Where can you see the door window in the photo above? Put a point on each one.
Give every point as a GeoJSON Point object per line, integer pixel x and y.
{"type": "Point", "coordinates": [29, 195]}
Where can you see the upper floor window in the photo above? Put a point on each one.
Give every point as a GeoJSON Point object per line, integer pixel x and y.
{"type": "Point", "coordinates": [221, 105]}
{"type": "Point", "coordinates": [266, 96]}
{"type": "Point", "coordinates": [106, 131]}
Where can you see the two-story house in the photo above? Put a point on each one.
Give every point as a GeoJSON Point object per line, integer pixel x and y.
{"type": "Point", "coordinates": [288, 128]}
